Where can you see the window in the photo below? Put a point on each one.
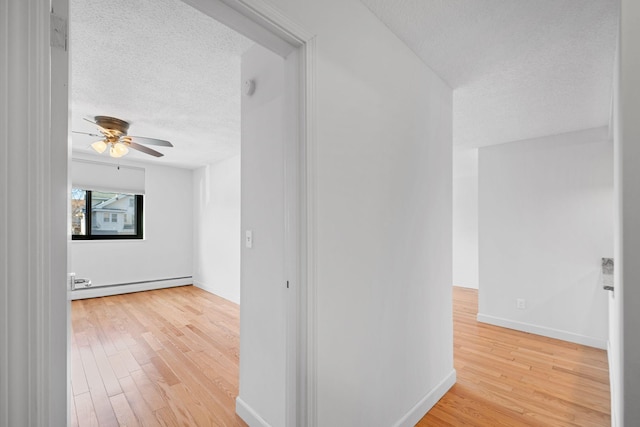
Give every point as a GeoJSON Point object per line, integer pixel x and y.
{"type": "Point", "coordinates": [111, 215]}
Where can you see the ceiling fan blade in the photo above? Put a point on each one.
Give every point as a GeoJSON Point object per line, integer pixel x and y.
{"type": "Point", "coordinates": [100, 128]}
{"type": "Point", "coordinates": [144, 149]}
{"type": "Point", "coordinates": [150, 141]}
{"type": "Point", "coordinates": [87, 133]}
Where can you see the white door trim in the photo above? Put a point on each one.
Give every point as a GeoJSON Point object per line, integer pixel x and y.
{"type": "Point", "coordinates": [33, 218]}
{"type": "Point", "coordinates": [267, 26]}
{"type": "Point", "coordinates": [300, 196]}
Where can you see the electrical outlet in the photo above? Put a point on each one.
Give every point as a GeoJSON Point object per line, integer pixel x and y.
{"type": "Point", "coordinates": [521, 303]}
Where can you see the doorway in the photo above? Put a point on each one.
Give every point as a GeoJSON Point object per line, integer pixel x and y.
{"type": "Point", "coordinates": [291, 45]}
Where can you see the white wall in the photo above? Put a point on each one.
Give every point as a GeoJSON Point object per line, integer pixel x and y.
{"type": "Point", "coordinates": [384, 325]}
{"type": "Point", "coordinates": [166, 252]}
{"type": "Point", "coordinates": [545, 221]}
{"type": "Point", "coordinates": [216, 221]}
{"type": "Point", "coordinates": [626, 346]}
{"type": "Point", "coordinates": [262, 300]}
{"type": "Point", "coordinates": [465, 217]}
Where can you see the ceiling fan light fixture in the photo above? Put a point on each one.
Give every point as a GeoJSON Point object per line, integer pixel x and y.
{"type": "Point", "coordinates": [121, 148]}
{"type": "Point", "coordinates": [99, 146]}
{"type": "Point", "coordinates": [118, 150]}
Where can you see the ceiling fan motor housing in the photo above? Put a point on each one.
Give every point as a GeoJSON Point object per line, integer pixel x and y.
{"type": "Point", "coordinates": [112, 123]}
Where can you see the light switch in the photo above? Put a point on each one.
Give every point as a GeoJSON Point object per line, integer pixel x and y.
{"type": "Point", "coordinates": [248, 240]}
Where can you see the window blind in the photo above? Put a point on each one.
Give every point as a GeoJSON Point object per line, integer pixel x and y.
{"type": "Point", "coordinates": [107, 177]}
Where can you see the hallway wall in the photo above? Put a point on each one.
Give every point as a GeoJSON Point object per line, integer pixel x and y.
{"type": "Point", "coordinates": [383, 212]}
{"type": "Point", "coordinates": [465, 217]}
{"type": "Point", "coordinates": [545, 221]}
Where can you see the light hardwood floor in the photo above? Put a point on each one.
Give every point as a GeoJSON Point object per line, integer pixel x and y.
{"type": "Point", "coordinates": [170, 357]}
{"type": "Point", "coordinates": [157, 358]}
{"type": "Point", "coordinates": [511, 378]}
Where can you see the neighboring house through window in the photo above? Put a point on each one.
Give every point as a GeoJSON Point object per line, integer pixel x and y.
{"type": "Point", "coordinates": [111, 215]}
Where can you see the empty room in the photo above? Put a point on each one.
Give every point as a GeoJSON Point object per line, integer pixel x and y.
{"type": "Point", "coordinates": [157, 94]}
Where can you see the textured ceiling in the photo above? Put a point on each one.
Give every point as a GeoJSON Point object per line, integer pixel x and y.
{"type": "Point", "coordinates": [519, 68]}
{"type": "Point", "coordinates": [171, 71]}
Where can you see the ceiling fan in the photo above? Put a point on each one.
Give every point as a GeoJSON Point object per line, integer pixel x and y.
{"type": "Point", "coordinates": [114, 134]}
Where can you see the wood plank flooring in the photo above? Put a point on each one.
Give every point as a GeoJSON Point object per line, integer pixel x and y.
{"type": "Point", "coordinates": [511, 378]}
{"type": "Point", "coordinates": [170, 358]}
{"type": "Point", "coordinates": [159, 358]}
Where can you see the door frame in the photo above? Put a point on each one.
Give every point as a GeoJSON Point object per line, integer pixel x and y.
{"type": "Point", "coordinates": [268, 27]}
{"type": "Point", "coordinates": [256, 20]}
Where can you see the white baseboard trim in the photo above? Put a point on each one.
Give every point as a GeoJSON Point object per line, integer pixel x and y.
{"type": "Point", "coordinates": [105, 291]}
{"type": "Point", "coordinates": [416, 413]}
{"type": "Point", "coordinates": [214, 291]}
{"type": "Point", "coordinates": [543, 330]}
{"type": "Point", "coordinates": [248, 415]}
{"type": "Point", "coordinates": [612, 388]}
{"type": "Point", "coordinates": [410, 419]}
{"type": "Point", "coordinates": [466, 285]}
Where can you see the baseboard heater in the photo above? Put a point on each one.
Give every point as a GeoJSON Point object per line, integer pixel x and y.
{"type": "Point", "coordinates": [80, 283]}
{"type": "Point", "coordinates": [83, 288]}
